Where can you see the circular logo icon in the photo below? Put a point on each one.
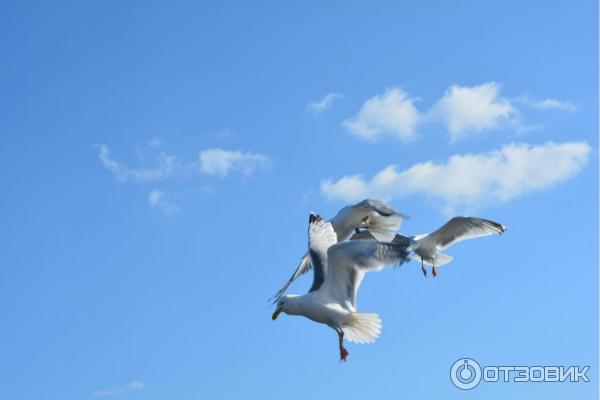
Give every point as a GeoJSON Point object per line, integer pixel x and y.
{"type": "Point", "coordinates": [465, 373]}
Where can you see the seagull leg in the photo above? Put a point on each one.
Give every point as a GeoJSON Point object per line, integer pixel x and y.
{"type": "Point", "coordinates": [433, 271]}
{"type": "Point", "coordinates": [423, 268]}
{"type": "Point", "coordinates": [343, 352]}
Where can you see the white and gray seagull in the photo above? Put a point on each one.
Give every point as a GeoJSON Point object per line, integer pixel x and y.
{"type": "Point", "coordinates": [375, 215]}
{"type": "Point", "coordinates": [427, 248]}
{"type": "Point", "coordinates": [339, 269]}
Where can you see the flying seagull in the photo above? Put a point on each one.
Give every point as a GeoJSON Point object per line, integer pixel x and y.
{"type": "Point", "coordinates": [375, 215]}
{"type": "Point", "coordinates": [427, 248]}
{"type": "Point", "coordinates": [338, 270]}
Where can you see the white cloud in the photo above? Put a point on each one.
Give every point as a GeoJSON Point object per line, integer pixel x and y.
{"type": "Point", "coordinates": [463, 110]}
{"type": "Point", "coordinates": [467, 110]}
{"type": "Point", "coordinates": [132, 386]}
{"type": "Point", "coordinates": [158, 199]}
{"type": "Point", "coordinates": [470, 180]}
{"type": "Point", "coordinates": [221, 162]}
{"type": "Point", "coordinates": [392, 114]}
{"type": "Point", "coordinates": [549, 104]}
{"type": "Point", "coordinates": [210, 162]}
{"type": "Point", "coordinates": [325, 103]}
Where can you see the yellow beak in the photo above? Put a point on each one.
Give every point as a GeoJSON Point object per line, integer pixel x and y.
{"type": "Point", "coordinates": [276, 313]}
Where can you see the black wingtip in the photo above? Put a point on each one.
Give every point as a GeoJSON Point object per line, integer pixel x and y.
{"type": "Point", "coordinates": [313, 218]}
{"type": "Point", "coordinates": [501, 228]}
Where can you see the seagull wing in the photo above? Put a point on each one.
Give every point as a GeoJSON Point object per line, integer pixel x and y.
{"type": "Point", "coordinates": [363, 235]}
{"type": "Point", "coordinates": [320, 238]}
{"type": "Point", "coordinates": [384, 221]}
{"type": "Point", "coordinates": [321, 235]}
{"type": "Point", "coordinates": [366, 235]}
{"type": "Point", "coordinates": [381, 219]}
{"type": "Point", "coordinates": [378, 206]}
{"type": "Point", "coordinates": [349, 261]}
{"type": "Point", "coordinates": [304, 266]}
{"type": "Point", "coordinates": [463, 228]}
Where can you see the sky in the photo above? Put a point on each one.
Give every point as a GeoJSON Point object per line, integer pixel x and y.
{"type": "Point", "coordinates": [159, 161]}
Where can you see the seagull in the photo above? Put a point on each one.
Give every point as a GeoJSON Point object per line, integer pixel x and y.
{"type": "Point", "coordinates": [427, 247]}
{"type": "Point", "coordinates": [338, 270]}
{"type": "Point", "coordinates": [375, 215]}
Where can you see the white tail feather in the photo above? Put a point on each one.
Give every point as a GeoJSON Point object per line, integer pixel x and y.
{"type": "Point", "coordinates": [441, 259]}
{"type": "Point", "coordinates": [362, 327]}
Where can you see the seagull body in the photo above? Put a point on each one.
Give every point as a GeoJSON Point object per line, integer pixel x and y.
{"type": "Point", "coordinates": [339, 269]}
{"type": "Point", "coordinates": [375, 215]}
{"type": "Point", "coordinates": [427, 248]}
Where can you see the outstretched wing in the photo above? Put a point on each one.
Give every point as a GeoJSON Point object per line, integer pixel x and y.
{"type": "Point", "coordinates": [463, 228]}
{"type": "Point", "coordinates": [304, 266]}
{"type": "Point", "coordinates": [349, 261]}
{"type": "Point", "coordinates": [320, 237]}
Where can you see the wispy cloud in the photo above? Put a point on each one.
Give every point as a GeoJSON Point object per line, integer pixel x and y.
{"type": "Point", "coordinates": [159, 200]}
{"type": "Point", "coordinates": [325, 103]}
{"type": "Point", "coordinates": [221, 162]}
{"type": "Point", "coordinates": [547, 104]}
{"type": "Point", "coordinates": [207, 189]}
{"type": "Point", "coordinates": [391, 114]}
{"type": "Point", "coordinates": [470, 180]}
{"type": "Point", "coordinates": [462, 110]}
{"type": "Point", "coordinates": [167, 167]}
{"type": "Point", "coordinates": [210, 162]}
{"type": "Point", "coordinates": [225, 133]}
{"type": "Point", "coordinates": [154, 143]}
{"type": "Point", "coordinates": [132, 386]}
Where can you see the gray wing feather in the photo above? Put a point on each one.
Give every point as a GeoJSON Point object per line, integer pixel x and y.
{"type": "Point", "coordinates": [362, 235]}
{"type": "Point", "coordinates": [378, 206]}
{"type": "Point", "coordinates": [463, 228]}
{"type": "Point", "coordinates": [349, 261]}
{"type": "Point", "coordinates": [366, 235]}
{"type": "Point", "coordinates": [319, 269]}
{"type": "Point", "coordinates": [402, 240]}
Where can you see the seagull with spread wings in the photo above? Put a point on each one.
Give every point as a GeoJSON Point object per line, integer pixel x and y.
{"type": "Point", "coordinates": [427, 248]}
{"type": "Point", "coordinates": [375, 215]}
{"type": "Point", "coordinates": [338, 270]}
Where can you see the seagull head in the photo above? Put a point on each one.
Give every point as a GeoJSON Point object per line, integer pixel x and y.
{"type": "Point", "coordinates": [286, 304]}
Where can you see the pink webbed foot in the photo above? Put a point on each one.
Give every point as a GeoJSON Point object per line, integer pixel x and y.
{"type": "Point", "coordinates": [433, 272]}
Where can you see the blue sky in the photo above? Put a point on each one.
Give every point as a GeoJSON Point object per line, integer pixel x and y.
{"type": "Point", "coordinates": [155, 152]}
